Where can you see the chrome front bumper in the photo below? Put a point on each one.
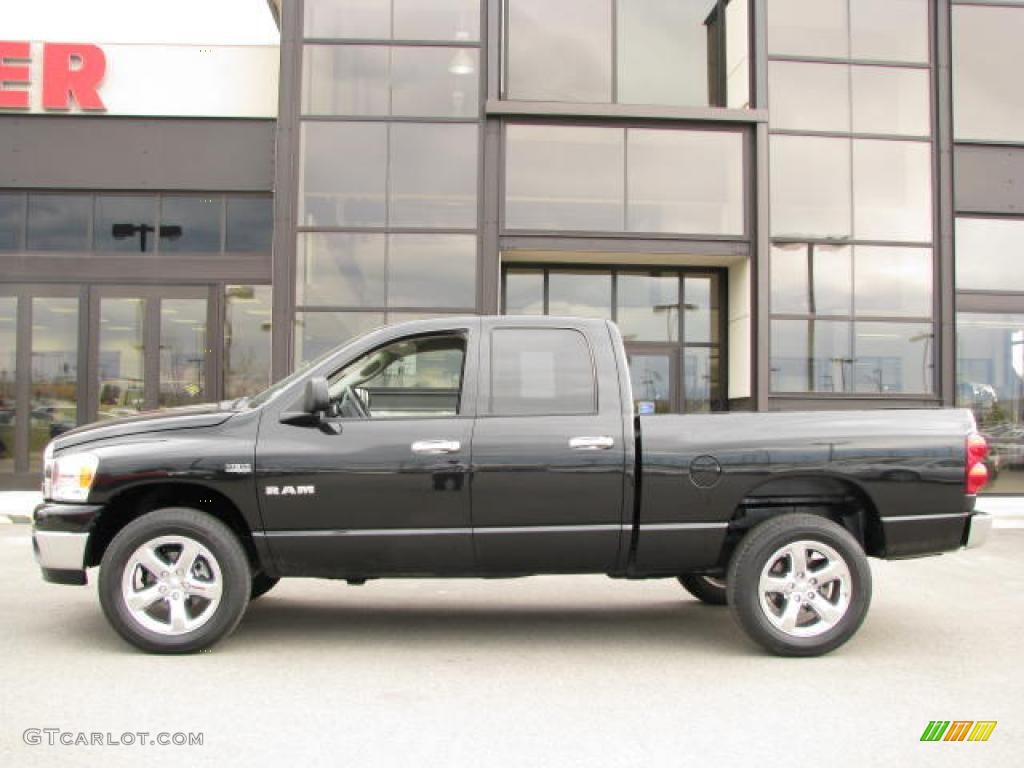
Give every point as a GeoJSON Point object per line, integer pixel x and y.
{"type": "Point", "coordinates": [59, 550]}
{"type": "Point", "coordinates": [979, 526]}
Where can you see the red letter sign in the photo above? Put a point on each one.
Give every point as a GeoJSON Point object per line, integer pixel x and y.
{"type": "Point", "coordinates": [61, 81]}
{"type": "Point", "coordinates": [13, 74]}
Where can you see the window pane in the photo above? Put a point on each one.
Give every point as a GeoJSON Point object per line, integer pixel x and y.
{"type": "Point", "coordinates": [247, 317]}
{"type": "Point", "coordinates": [433, 175]}
{"type": "Point", "coordinates": [343, 174]}
{"type": "Point", "coordinates": [345, 80]}
{"type": "Point", "coordinates": [894, 358]}
{"type": "Point", "coordinates": [182, 352]}
{"type": "Point", "coordinates": [250, 223]}
{"type": "Point", "coordinates": [567, 178]}
{"type": "Point", "coordinates": [811, 356]}
{"type": "Point", "coordinates": [892, 193]}
{"type": "Point", "coordinates": [59, 222]}
{"type": "Point", "coordinates": [418, 377]}
{"type": "Point", "coordinates": [737, 54]}
{"type": "Point", "coordinates": [805, 96]}
{"type": "Point", "coordinates": [432, 271]}
{"type": "Point", "coordinates": [789, 274]}
{"type": "Point", "coordinates": [810, 186]}
{"type": "Point", "coordinates": [650, 378]}
{"type": "Point", "coordinates": [990, 381]}
{"type": "Point", "coordinates": [808, 27]}
{"type": "Point", "coordinates": [54, 405]}
{"type": "Point", "coordinates": [890, 100]}
{"type": "Point", "coordinates": [648, 306]}
{"type": "Point", "coordinates": [833, 280]}
{"type": "Point", "coordinates": [121, 369]}
{"type": "Point", "coordinates": [437, 20]}
{"type": "Point", "coordinates": [702, 389]}
{"type": "Point", "coordinates": [700, 305]}
{"type": "Point", "coordinates": [125, 223]}
{"type": "Point", "coordinates": [348, 18]}
{"type": "Point", "coordinates": [524, 292]}
{"type": "Point", "coordinates": [685, 181]}
{"type": "Point", "coordinates": [540, 371]}
{"type": "Point", "coordinates": [12, 217]}
{"type": "Point", "coordinates": [663, 53]}
{"type": "Point", "coordinates": [580, 294]}
{"type": "Point", "coordinates": [560, 51]}
{"type": "Point", "coordinates": [789, 369]}
{"type": "Point", "coordinates": [341, 269]}
{"type": "Point", "coordinates": [988, 103]}
{"type": "Point", "coordinates": [8, 379]}
{"type": "Point", "coordinates": [320, 332]}
{"type": "Point", "coordinates": [190, 224]}
{"type": "Point", "coordinates": [832, 362]}
{"type": "Point", "coordinates": [435, 82]}
{"type": "Point", "coordinates": [894, 282]}
{"type": "Point", "coordinates": [989, 253]}
{"type": "Point", "coordinates": [894, 30]}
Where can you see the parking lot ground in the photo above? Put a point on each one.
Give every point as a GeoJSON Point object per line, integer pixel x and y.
{"type": "Point", "coordinates": [545, 671]}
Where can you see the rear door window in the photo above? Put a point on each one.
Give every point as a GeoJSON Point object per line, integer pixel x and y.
{"type": "Point", "coordinates": [541, 371]}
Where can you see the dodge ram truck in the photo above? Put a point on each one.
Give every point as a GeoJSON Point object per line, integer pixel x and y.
{"type": "Point", "coordinates": [498, 447]}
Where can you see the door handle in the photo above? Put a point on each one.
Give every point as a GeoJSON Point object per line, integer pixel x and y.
{"type": "Point", "coordinates": [433, 447]}
{"type": "Point", "coordinates": [596, 443]}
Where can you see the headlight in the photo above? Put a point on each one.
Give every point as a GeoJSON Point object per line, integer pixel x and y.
{"type": "Point", "coordinates": [70, 477]}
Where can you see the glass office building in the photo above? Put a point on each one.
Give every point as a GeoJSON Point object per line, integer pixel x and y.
{"type": "Point", "coordinates": [784, 204]}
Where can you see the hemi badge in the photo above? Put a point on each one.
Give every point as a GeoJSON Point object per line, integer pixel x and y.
{"type": "Point", "coordinates": [238, 469]}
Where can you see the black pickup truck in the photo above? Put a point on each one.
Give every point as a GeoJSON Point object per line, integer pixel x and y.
{"type": "Point", "coordinates": [498, 447]}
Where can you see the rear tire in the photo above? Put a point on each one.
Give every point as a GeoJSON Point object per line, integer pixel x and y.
{"type": "Point", "coordinates": [799, 584]}
{"type": "Point", "coordinates": [711, 590]}
{"type": "Point", "coordinates": [162, 608]}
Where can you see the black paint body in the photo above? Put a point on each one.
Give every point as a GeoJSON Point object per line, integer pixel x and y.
{"type": "Point", "coordinates": [670, 497]}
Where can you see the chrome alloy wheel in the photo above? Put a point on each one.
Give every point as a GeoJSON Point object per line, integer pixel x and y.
{"type": "Point", "coordinates": [805, 588]}
{"type": "Point", "coordinates": [172, 585]}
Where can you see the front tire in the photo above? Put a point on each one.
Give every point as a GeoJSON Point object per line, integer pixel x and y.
{"type": "Point", "coordinates": [711, 590]}
{"type": "Point", "coordinates": [174, 581]}
{"type": "Point", "coordinates": [799, 585]}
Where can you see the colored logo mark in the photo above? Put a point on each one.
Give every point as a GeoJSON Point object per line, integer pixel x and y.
{"type": "Point", "coordinates": [958, 730]}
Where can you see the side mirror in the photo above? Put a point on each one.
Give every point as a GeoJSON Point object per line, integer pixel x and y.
{"type": "Point", "coordinates": [317, 398]}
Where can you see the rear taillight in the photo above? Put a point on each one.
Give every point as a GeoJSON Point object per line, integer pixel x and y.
{"type": "Point", "coordinates": [977, 472]}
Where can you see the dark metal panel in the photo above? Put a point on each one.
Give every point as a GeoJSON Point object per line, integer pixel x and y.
{"type": "Point", "coordinates": [942, 130]}
{"type": "Point", "coordinates": [139, 154]}
{"type": "Point", "coordinates": [169, 268]}
{"type": "Point", "coordinates": [988, 179]}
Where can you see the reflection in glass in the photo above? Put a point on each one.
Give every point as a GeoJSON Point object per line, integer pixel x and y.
{"type": "Point", "coordinates": [833, 280]}
{"type": "Point", "coordinates": [990, 381]}
{"type": "Point", "coordinates": [893, 282]}
{"type": "Point", "coordinates": [988, 103]}
{"type": "Point", "coordinates": [542, 371]}
{"type": "Point", "coordinates": [347, 18]}
{"type": "Point", "coordinates": [250, 224]}
{"type": "Point", "coordinates": [789, 367]}
{"type": "Point", "coordinates": [811, 356]}
{"type": "Point", "coordinates": [433, 175]}
{"type": "Point", "coordinates": [685, 181]}
{"type": "Point", "coordinates": [559, 51]}
{"type": "Point", "coordinates": [59, 222]}
{"type": "Point", "coordinates": [190, 224]}
{"type": "Point", "coordinates": [988, 254]}
{"type": "Point", "coordinates": [892, 190]}
{"type": "Point", "coordinates": [182, 352]}
{"type": "Point", "coordinates": [343, 174]}
{"type": "Point", "coordinates": [8, 379]}
{"type": "Point", "coordinates": [650, 377]}
{"type": "Point", "coordinates": [432, 270]}
{"type": "Point", "coordinates": [524, 292]}
{"type": "Point", "coordinates": [319, 332]}
{"type": "Point", "coordinates": [345, 80]}
{"type": "Point", "coordinates": [790, 279]}
{"type": "Point", "coordinates": [889, 30]}
{"type": "Point", "coordinates": [648, 306]}
{"type": "Point", "coordinates": [810, 186]}
{"type": "Point", "coordinates": [247, 317]}
{"type": "Point", "coordinates": [12, 219]}
{"type": "Point", "coordinates": [580, 294]}
{"type": "Point", "coordinates": [435, 81]}
{"type": "Point", "coordinates": [437, 20]}
{"type": "Point", "coordinates": [809, 96]}
{"type": "Point", "coordinates": [54, 384]}
{"type": "Point", "coordinates": [894, 358]}
{"type": "Point", "coordinates": [125, 223]}
{"type": "Point", "coordinates": [808, 28]}
{"type": "Point", "coordinates": [121, 371]}
{"type": "Point", "coordinates": [701, 383]}
{"type": "Point", "coordinates": [700, 304]}
{"type": "Point", "coordinates": [561, 177]}
{"type": "Point", "coordinates": [890, 100]}
{"type": "Point", "coordinates": [341, 269]}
